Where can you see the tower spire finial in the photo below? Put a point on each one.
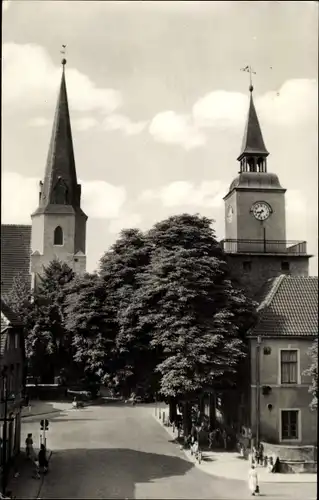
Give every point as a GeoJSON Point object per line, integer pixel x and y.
{"type": "Point", "coordinates": [63, 51]}
{"type": "Point", "coordinates": [249, 70]}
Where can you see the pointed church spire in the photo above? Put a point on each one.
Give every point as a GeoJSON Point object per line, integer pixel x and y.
{"type": "Point", "coordinates": [60, 183]}
{"type": "Point", "coordinates": [253, 151]}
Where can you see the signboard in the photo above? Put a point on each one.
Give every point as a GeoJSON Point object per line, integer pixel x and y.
{"type": "Point", "coordinates": [44, 425]}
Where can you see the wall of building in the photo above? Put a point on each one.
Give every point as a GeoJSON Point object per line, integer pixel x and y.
{"type": "Point", "coordinates": [250, 228]}
{"type": "Point", "coordinates": [13, 359]}
{"type": "Point", "coordinates": [231, 226]}
{"type": "Point", "coordinates": [264, 267]}
{"type": "Point", "coordinates": [281, 396]}
{"type": "Point", "coordinates": [80, 233]}
{"type": "Point", "coordinates": [37, 234]}
{"type": "Point", "coordinates": [67, 223]}
{"type": "Point", "coordinates": [74, 235]}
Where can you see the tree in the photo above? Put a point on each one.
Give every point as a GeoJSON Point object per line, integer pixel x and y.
{"type": "Point", "coordinates": [20, 297]}
{"type": "Point", "coordinates": [183, 310]}
{"type": "Point", "coordinates": [90, 319]}
{"type": "Point", "coordinates": [122, 268]}
{"type": "Point", "coordinates": [312, 371]}
{"type": "Point", "coordinates": [48, 343]}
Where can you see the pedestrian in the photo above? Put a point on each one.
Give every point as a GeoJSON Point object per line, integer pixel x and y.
{"type": "Point", "coordinates": [253, 481]}
{"type": "Point", "coordinates": [42, 459]}
{"type": "Point", "coordinates": [211, 438]}
{"type": "Point", "coordinates": [29, 446]}
{"type": "Point", "coordinates": [27, 403]}
{"type": "Point", "coordinates": [224, 435]}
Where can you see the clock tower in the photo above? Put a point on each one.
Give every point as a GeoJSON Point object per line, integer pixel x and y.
{"type": "Point", "coordinates": [255, 218]}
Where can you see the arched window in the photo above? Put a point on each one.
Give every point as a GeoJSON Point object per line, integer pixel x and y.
{"type": "Point", "coordinates": [58, 236]}
{"type": "Point", "coordinates": [260, 164]}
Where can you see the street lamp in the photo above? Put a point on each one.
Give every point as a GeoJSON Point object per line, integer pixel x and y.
{"type": "Point", "coordinates": [258, 391]}
{"type": "Point", "coordinates": [5, 399]}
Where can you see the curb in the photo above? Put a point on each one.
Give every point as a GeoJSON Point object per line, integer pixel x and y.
{"type": "Point", "coordinates": [40, 414]}
{"type": "Point", "coordinates": [187, 455]}
{"type": "Point", "coordinates": [203, 469]}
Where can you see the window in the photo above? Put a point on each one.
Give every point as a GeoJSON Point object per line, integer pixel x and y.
{"type": "Point", "coordinates": [58, 236]}
{"type": "Point", "coordinates": [17, 341]}
{"type": "Point", "coordinates": [247, 265]}
{"type": "Point", "coordinates": [289, 424]}
{"type": "Point", "coordinates": [285, 266]}
{"type": "Point", "coordinates": [289, 366]}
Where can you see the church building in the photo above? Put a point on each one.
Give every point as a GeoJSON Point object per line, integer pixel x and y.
{"type": "Point", "coordinates": [59, 223]}
{"type": "Point", "coordinates": [255, 218]}
{"type": "Point", "coordinates": [274, 272]}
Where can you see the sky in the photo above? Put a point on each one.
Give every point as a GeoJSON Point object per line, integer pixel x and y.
{"type": "Point", "coordinates": [158, 106]}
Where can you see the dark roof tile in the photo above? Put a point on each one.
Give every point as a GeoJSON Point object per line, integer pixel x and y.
{"type": "Point", "coordinates": [15, 254]}
{"type": "Point", "coordinates": [288, 307]}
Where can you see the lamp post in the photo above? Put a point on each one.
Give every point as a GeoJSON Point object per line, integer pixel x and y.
{"type": "Point", "coordinates": [258, 391]}
{"type": "Point", "coordinates": [5, 399]}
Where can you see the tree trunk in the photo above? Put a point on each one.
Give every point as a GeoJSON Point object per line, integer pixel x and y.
{"type": "Point", "coordinates": [187, 418]}
{"type": "Point", "coordinates": [172, 409]}
{"type": "Point", "coordinates": [212, 410]}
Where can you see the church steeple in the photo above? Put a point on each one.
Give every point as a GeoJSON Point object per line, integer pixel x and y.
{"type": "Point", "coordinates": [60, 183]}
{"type": "Point", "coordinates": [253, 152]}
{"type": "Point", "coordinates": [59, 223]}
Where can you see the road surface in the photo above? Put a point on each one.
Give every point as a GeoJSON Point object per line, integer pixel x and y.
{"type": "Point", "coordinates": [120, 451]}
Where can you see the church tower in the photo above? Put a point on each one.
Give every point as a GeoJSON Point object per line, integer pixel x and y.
{"type": "Point", "coordinates": [59, 224]}
{"type": "Point", "coordinates": [255, 217]}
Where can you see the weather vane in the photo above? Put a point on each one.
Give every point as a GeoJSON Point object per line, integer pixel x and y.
{"type": "Point", "coordinates": [249, 70]}
{"type": "Point", "coordinates": [63, 51]}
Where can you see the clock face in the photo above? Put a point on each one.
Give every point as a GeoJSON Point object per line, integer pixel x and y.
{"type": "Point", "coordinates": [261, 210]}
{"type": "Point", "coordinates": [230, 212]}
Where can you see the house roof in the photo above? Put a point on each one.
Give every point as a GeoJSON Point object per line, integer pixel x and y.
{"type": "Point", "coordinates": [288, 306]}
{"type": "Point", "coordinates": [15, 254]}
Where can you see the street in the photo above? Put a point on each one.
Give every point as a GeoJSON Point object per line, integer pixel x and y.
{"type": "Point", "coordinates": [119, 451]}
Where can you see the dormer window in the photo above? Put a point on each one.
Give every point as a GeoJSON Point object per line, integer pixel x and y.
{"type": "Point", "coordinates": [58, 236]}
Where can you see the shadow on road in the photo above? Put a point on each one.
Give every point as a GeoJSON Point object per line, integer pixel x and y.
{"type": "Point", "coordinates": [107, 473]}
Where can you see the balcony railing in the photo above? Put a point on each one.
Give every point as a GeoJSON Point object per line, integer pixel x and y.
{"type": "Point", "coordinates": [265, 246]}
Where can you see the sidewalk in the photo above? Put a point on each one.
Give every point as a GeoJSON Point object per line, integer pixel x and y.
{"type": "Point", "coordinates": [24, 486]}
{"type": "Point", "coordinates": [44, 408]}
{"type": "Point", "coordinates": [230, 465]}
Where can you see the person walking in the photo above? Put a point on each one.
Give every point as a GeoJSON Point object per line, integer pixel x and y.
{"type": "Point", "coordinates": [42, 459]}
{"type": "Point", "coordinates": [253, 481]}
{"type": "Point", "coordinates": [29, 446]}
{"type": "Point", "coordinates": [224, 435]}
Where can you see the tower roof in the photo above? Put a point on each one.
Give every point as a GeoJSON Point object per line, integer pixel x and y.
{"type": "Point", "coordinates": [60, 183]}
{"type": "Point", "coordinates": [253, 142]}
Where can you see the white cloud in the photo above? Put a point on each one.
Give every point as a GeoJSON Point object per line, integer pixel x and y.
{"type": "Point", "coordinates": [221, 109]}
{"type": "Point", "coordinates": [125, 221]}
{"type": "Point", "coordinates": [102, 200]}
{"type": "Point", "coordinates": [83, 124]}
{"type": "Point", "coordinates": [207, 194]}
{"type": "Point", "coordinates": [171, 128]}
{"type": "Point", "coordinates": [20, 196]}
{"type": "Point", "coordinates": [29, 78]}
{"type": "Point", "coordinates": [295, 101]}
{"type": "Point", "coordinates": [123, 124]}
{"type": "Point", "coordinates": [38, 121]}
